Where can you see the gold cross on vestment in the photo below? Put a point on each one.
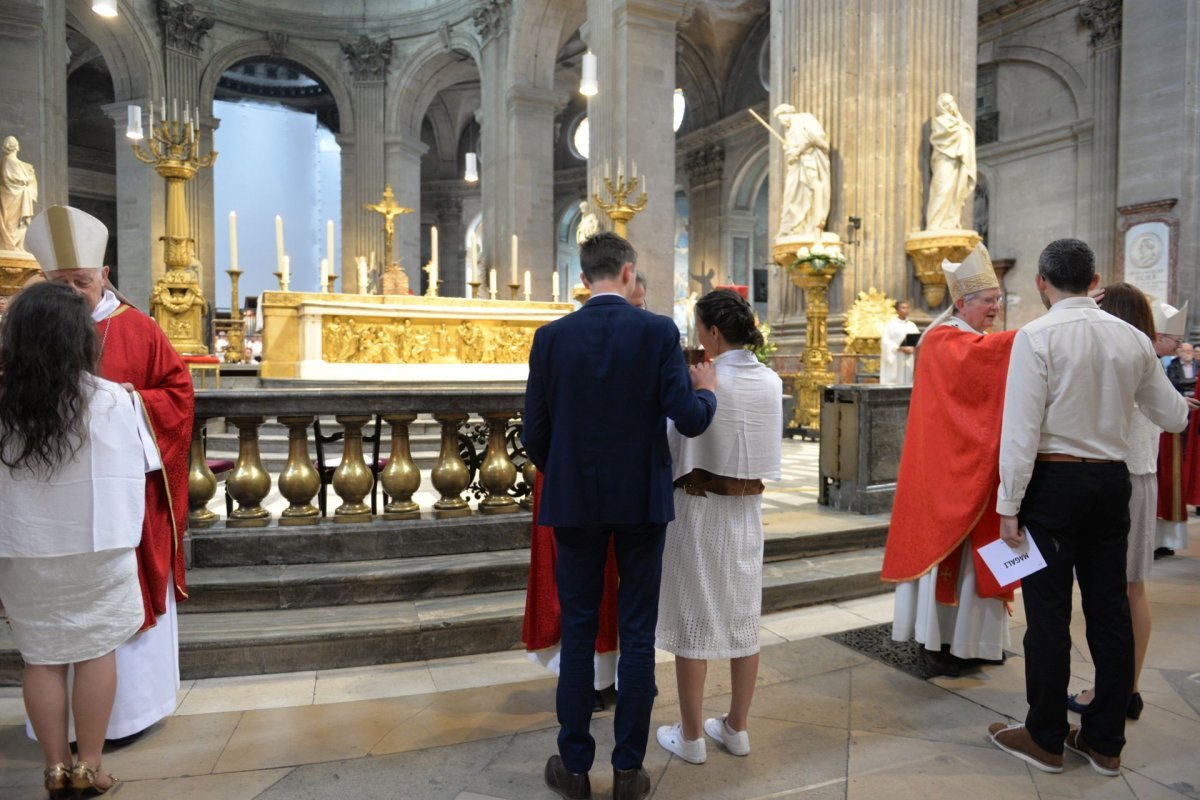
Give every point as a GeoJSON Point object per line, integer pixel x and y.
{"type": "Point", "coordinates": [390, 209]}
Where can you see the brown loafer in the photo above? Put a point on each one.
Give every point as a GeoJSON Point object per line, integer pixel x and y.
{"type": "Point", "coordinates": [1016, 741]}
{"type": "Point", "coordinates": [630, 784]}
{"type": "Point", "coordinates": [1105, 765]}
{"type": "Point", "coordinates": [569, 785]}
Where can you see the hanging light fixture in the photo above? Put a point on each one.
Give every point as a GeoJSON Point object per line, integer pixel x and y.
{"type": "Point", "coordinates": [105, 8]}
{"type": "Point", "coordinates": [587, 85]}
{"type": "Point", "coordinates": [471, 175]}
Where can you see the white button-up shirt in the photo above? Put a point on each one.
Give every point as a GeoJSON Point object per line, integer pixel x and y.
{"type": "Point", "coordinates": [1073, 379]}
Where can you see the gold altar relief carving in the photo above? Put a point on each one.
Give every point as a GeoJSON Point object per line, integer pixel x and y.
{"type": "Point", "coordinates": [351, 340]}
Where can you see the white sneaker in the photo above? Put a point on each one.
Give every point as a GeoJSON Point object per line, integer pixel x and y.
{"type": "Point", "coordinates": [671, 739]}
{"type": "Point", "coordinates": [736, 742]}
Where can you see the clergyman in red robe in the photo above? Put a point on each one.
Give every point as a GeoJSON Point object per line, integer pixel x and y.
{"type": "Point", "coordinates": [137, 354]}
{"type": "Point", "coordinates": [946, 597]}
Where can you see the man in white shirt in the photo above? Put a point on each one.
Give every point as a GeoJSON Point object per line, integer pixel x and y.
{"type": "Point", "coordinates": [1073, 380]}
{"type": "Point", "coordinates": [896, 359]}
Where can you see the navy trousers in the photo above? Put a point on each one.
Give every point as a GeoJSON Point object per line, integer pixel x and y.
{"type": "Point", "coordinates": [1079, 516]}
{"type": "Point", "coordinates": [582, 553]}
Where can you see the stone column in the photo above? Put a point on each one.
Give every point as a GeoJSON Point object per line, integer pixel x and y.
{"type": "Point", "coordinates": [529, 188]}
{"type": "Point", "coordinates": [1103, 20]}
{"type": "Point", "coordinates": [403, 157]}
{"type": "Point", "coordinates": [871, 72]}
{"type": "Point", "coordinates": [33, 61]}
{"type": "Point", "coordinates": [363, 163]}
{"type": "Point", "coordinates": [183, 37]}
{"type": "Point", "coordinates": [141, 212]}
{"type": "Point", "coordinates": [707, 264]}
{"type": "Point", "coordinates": [630, 119]}
{"type": "Point", "coordinates": [448, 213]}
{"type": "Point", "coordinates": [491, 23]}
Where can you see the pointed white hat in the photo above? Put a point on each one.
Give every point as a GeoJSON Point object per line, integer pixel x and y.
{"type": "Point", "coordinates": [62, 237]}
{"type": "Point", "coordinates": [974, 274]}
{"type": "Point", "coordinates": [1168, 319]}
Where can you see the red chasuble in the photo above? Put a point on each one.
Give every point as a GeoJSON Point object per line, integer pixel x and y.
{"type": "Point", "coordinates": [949, 468]}
{"type": "Point", "coordinates": [136, 351]}
{"type": "Point", "coordinates": [543, 618]}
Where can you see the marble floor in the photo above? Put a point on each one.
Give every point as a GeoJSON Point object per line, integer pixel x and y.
{"type": "Point", "coordinates": [827, 723]}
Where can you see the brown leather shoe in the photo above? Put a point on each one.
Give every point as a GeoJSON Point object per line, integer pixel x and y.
{"type": "Point", "coordinates": [630, 784]}
{"type": "Point", "coordinates": [1105, 765]}
{"type": "Point", "coordinates": [569, 785]}
{"type": "Point", "coordinates": [1016, 741]}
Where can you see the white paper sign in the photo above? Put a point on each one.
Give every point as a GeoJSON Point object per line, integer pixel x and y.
{"type": "Point", "coordinates": [1009, 565]}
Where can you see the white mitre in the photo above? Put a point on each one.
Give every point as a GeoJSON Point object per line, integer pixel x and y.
{"type": "Point", "coordinates": [62, 237]}
{"type": "Point", "coordinates": [974, 274]}
{"type": "Point", "coordinates": [1169, 320]}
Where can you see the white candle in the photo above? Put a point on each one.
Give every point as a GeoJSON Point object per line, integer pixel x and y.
{"type": "Point", "coordinates": [635, 169]}
{"type": "Point", "coordinates": [433, 246]}
{"type": "Point", "coordinates": [528, 284]}
{"type": "Point", "coordinates": [554, 286]}
{"type": "Point", "coordinates": [433, 277]}
{"type": "Point", "coordinates": [133, 122]}
{"type": "Point", "coordinates": [150, 107]}
{"type": "Point", "coordinates": [362, 274]}
{"type": "Point", "coordinates": [329, 243]}
{"type": "Point", "coordinates": [620, 167]}
{"type": "Point", "coordinates": [233, 262]}
{"type": "Point", "coordinates": [515, 271]}
{"type": "Point", "coordinates": [286, 272]}
{"type": "Point", "coordinates": [473, 257]}
{"type": "Point", "coordinates": [163, 100]}
{"type": "Point", "coordinates": [606, 173]}
{"type": "Point", "coordinates": [324, 275]}
{"type": "Point", "coordinates": [175, 109]}
{"type": "Point", "coordinates": [278, 243]}
{"type": "Point", "coordinates": [492, 281]}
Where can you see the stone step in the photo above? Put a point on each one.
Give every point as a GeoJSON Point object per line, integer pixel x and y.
{"type": "Point", "coordinates": [261, 588]}
{"type": "Point", "coordinates": [222, 644]}
{"type": "Point", "coordinates": [331, 542]}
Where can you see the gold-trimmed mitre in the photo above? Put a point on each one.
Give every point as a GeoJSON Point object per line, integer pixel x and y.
{"type": "Point", "coordinates": [974, 274]}
{"type": "Point", "coordinates": [62, 237]}
{"type": "Point", "coordinates": [1170, 321]}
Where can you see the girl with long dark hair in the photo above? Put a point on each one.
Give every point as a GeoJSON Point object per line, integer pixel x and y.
{"type": "Point", "coordinates": [72, 483]}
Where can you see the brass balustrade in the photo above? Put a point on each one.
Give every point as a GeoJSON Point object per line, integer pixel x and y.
{"type": "Point", "coordinates": [499, 477]}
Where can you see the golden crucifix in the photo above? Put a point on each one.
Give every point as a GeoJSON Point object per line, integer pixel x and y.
{"type": "Point", "coordinates": [390, 209]}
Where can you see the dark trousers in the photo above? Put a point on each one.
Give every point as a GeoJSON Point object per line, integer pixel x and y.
{"type": "Point", "coordinates": [582, 553]}
{"type": "Point", "coordinates": [1078, 514]}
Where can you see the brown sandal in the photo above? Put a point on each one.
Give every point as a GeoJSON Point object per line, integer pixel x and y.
{"type": "Point", "coordinates": [83, 781]}
{"type": "Point", "coordinates": [57, 777]}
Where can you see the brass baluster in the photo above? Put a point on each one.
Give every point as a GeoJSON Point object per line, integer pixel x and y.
{"type": "Point", "coordinates": [352, 479]}
{"type": "Point", "coordinates": [202, 483]}
{"type": "Point", "coordinates": [497, 474]}
{"type": "Point", "coordinates": [529, 474]}
{"type": "Point", "coordinates": [450, 475]}
{"type": "Point", "coordinates": [299, 480]}
{"type": "Point", "coordinates": [249, 482]}
{"type": "Point", "coordinates": [400, 478]}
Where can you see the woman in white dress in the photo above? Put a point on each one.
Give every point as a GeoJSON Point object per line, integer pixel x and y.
{"type": "Point", "coordinates": [711, 597]}
{"type": "Point", "coordinates": [72, 483]}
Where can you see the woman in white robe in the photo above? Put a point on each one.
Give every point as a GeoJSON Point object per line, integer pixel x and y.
{"type": "Point", "coordinates": [711, 597]}
{"type": "Point", "coordinates": [72, 484]}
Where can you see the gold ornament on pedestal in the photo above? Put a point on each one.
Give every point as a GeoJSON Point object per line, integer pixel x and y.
{"type": "Point", "coordinates": [621, 210]}
{"type": "Point", "coordinates": [389, 209]}
{"type": "Point", "coordinates": [864, 326]}
{"type": "Point", "coordinates": [928, 249]}
{"type": "Point", "coordinates": [173, 148]}
{"type": "Point", "coordinates": [811, 264]}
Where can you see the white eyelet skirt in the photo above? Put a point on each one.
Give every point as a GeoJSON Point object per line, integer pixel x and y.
{"type": "Point", "coordinates": [66, 609]}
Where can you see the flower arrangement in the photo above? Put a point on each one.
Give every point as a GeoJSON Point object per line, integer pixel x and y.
{"type": "Point", "coordinates": [820, 257]}
{"type": "Point", "coordinates": [764, 352]}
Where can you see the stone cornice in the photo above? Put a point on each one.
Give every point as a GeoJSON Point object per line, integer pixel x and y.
{"type": "Point", "coordinates": [722, 129]}
{"type": "Point", "coordinates": [1150, 207]}
{"type": "Point", "coordinates": [705, 165]}
{"type": "Point", "coordinates": [181, 27]}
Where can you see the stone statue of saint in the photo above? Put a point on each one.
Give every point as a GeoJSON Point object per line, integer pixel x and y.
{"type": "Point", "coordinates": [807, 186]}
{"type": "Point", "coordinates": [589, 223]}
{"type": "Point", "coordinates": [953, 163]}
{"type": "Point", "coordinates": [18, 193]}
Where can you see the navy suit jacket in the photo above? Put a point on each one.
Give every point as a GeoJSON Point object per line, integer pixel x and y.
{"type": "Point", "coordinates": [602, 381]}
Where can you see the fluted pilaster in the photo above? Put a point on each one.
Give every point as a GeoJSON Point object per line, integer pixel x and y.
{"type": "Point", "coordinates": [368, 179]}
{"type": "Point", "coordinates": [1103, 19]}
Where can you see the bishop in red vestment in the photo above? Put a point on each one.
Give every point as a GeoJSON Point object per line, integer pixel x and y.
{"type": "Point", "coordinates": [949, 473]}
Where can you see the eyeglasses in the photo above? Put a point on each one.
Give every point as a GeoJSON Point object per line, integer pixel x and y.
{"type": "Point", "coordinates": [997, 301]}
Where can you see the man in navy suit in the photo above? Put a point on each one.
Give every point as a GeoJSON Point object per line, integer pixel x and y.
{"type": "Point", "coordinates": [602, 382]}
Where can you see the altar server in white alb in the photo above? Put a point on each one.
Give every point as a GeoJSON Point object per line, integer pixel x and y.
{"type": "Point", "coordinates": [72, 486]}
{"type": "Point", "coordinates": [711, 597]}
{"type": "Point", "coordinates": [896, 358]}
{"type": "Point", "coordinates": [69, 245]}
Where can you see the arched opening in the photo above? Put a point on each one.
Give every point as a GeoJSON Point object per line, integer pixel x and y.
{"type": "Point", "coordinates": [279, 157]}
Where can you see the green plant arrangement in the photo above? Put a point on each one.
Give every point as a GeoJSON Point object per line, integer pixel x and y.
{"type": "Point", "coordinates": [767, 349]}
{"type": "Point", "coordinates": [820, 257]}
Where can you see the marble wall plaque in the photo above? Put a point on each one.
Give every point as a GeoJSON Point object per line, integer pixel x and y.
{"type": "Point", "coordinates": [1147, 259]}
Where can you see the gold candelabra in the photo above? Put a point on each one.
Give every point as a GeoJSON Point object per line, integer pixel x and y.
{"type": "Point", "coordinates": [235, 349]}
{"type": "Point", "coordinates": [621, 210]}
{"type": "Point", "coordinates": [173, 148]}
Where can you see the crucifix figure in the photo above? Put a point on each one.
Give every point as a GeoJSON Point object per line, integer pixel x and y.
{"type": "Point", "coordinates": [390, 209]}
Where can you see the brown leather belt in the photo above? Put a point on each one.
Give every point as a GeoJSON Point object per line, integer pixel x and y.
{"type": "Point", "coordinates": [1073, 459]}
{"type": "Point", "coordinates": [701, 483]}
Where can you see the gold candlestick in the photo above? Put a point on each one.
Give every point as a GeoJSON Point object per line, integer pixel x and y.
{"type": "Point", "coordinates": [283, 287]}
{"type": "Point", "coordinates": [177, 304]}
{"type": "Point", "coordinates": [332, 280]}
{"type": "Point", "coordinates": [475, 285]}
{"type": "Point", "coordinates": [235, 349]}
{"type": "Point", "coordinates": [620, 210]}
{"type": "Point", "coordinates": [514, 288]}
